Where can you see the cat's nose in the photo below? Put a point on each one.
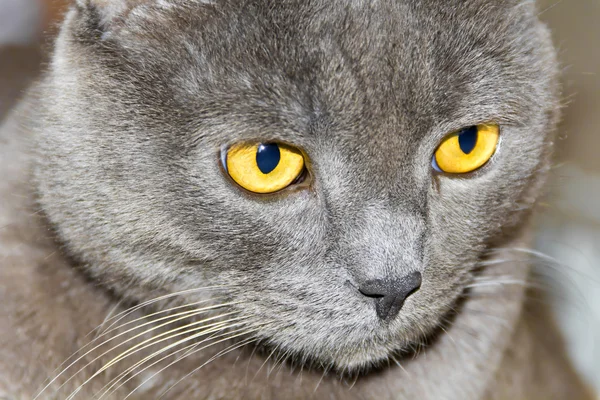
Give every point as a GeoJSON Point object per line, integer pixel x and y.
{"type": "Point", "coordinates": [390, 294]}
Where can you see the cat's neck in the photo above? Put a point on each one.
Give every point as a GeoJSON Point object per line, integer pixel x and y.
{"type": "Point", "coordinates": [52, 308]}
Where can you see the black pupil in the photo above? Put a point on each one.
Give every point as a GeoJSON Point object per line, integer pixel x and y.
{"type": "Point", "coordinates": [268, 157]}
{"type": "Point", "coordinates": [467, 139]}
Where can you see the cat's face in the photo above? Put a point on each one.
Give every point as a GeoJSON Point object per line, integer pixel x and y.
{"type": "Point", "coordinates": [143, 98]}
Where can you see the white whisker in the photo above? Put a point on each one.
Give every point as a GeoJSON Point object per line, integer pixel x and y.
{"type": "Point", "coordinates": [152, 341]}
{"type": "Point", "coordinates": [220, 354]}
{"type": "Point", "coordinates": [131, 310]}
{"type": "Point", "coordinates": [263, 364]}
{"type": "Point", "coordinates": [116, 380]}
{"type": "Point", "coordinates": [171, 315]}
{"type": "Point", "coordinates": [119, 316]}
{"type": "Point", "coordinates": [176, 319]}
{"type": "Point", "coordinates": [399, 365]}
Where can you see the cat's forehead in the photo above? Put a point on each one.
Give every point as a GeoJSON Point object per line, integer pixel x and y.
{"type": "Point", "coordinates": [376, 47]}
{"type": "Point", "coordinates": [123, 9]}
{"type": "Point", "coordinates": [376, 21]}
{"type": "Point", "coordinates": [371, 66]}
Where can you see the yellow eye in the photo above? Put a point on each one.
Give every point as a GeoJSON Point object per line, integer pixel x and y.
{"type": "Point", "coordinates": [265, 167]}
{"type": "Point", "coordinates": [467, 150]}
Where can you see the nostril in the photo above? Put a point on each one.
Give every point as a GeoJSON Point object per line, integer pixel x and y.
{"type": "Point", "coordinates": [373, 296]}
{"type": "Point", "coordinates": [375, 289]}
{"type": "Point", "coordinates": [411, 283]}
{"type": "Point", "coordinates": [390, 294]}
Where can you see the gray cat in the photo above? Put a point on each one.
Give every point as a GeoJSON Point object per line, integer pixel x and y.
{"type": "Point", "coordinates": [281, 199]}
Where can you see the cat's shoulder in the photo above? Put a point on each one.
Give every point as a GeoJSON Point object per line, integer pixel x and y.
{"type": "Point", "coordinates": [536, 365]}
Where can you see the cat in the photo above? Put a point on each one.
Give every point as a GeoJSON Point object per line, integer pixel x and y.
{"type": "Point", "coordinates": [281, 199]}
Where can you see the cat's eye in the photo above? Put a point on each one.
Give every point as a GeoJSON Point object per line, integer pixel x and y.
{"type": "Point", "coordinates": [264, 167]}
{"type": "Point", "coordinates": [466, 150]}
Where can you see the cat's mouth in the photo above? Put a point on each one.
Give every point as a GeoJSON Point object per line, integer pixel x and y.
{"type": "Point", "coordinates": [361, 338]}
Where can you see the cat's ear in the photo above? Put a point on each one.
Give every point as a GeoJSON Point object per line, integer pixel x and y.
{"type": "Point", "coordinates": [108, 10]}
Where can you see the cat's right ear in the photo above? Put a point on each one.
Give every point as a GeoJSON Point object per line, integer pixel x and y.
{"type": "Point", "coordinates": [105, 12]}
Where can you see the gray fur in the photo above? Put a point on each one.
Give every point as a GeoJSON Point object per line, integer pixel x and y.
{"type": "Point", "coordinates": [141, 96]}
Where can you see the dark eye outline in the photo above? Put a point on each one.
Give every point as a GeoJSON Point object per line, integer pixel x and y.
{"type": "Point", "coordinates": [223, 157]}
{"type": "Point", "coordinates": [434, 164]}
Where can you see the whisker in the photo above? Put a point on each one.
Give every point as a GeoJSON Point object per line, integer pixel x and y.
{"type": "Point", "coordinates": [557, 267]}
{"type": "Point", "coordinates": [502, 283]}
{"type": "Point", "coordinates": [532, 252]}
{"type": "Point", "coordinates": [131, 310]}
{"type": "Point", "coordinates": [553, 262]}
{"type": "Point", "coordinates": [549, 7]}
{"type": "Point", "coordinates": [325, 372]}
{"type": "Point", "coordinates": [456, 347]}
{"type": "Point", "coordinates": [487, 314]}
{"type": "Point", "coordinates": [176, 319]}
{"type": "Point", "coordinates": [488, 263]}
{"type": "Point", "coordinates": [116, 380]}
{"type": "Point", "coordinates": [284, 359]}
{"type": "Point", "coordinates": [248, 363]}
{"type": "Point", "coordinates": [126, 354]}
{"type": "Point", "coordinates": [278, 357]}
{"type": "Point", "coordinates": [120, 316]}
{"type": "Point", "coordinates": [152, 341]}
{"type": "Point", "coordinates": [220, 354]}
{"type": "Point", "coordinates": [106, 319]}
{"type": "Point", "coordinates": [498, 283]}
{"type": "Point", "coordinates": [397, 363]}
{"type": "Point", "coordinates": [264, 363]}
{"type": "Point", "coordinates": [172, 315]}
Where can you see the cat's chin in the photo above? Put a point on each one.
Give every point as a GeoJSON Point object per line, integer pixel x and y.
{"type": "Point", "coordinates": [366, 347]}
{"type": "Point", "coordinates": [363, 362]}
{"type": "Point", "coordinates": [350, 363]}
{"type": "Point", "coordinates": [345, 359]}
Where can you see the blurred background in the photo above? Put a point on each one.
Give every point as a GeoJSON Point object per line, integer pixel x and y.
{"type": "Point", "coordinates": [568, 224]}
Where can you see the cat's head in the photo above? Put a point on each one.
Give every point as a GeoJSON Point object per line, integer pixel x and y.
{"type": "Point", "coordinates": [152, 111]}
